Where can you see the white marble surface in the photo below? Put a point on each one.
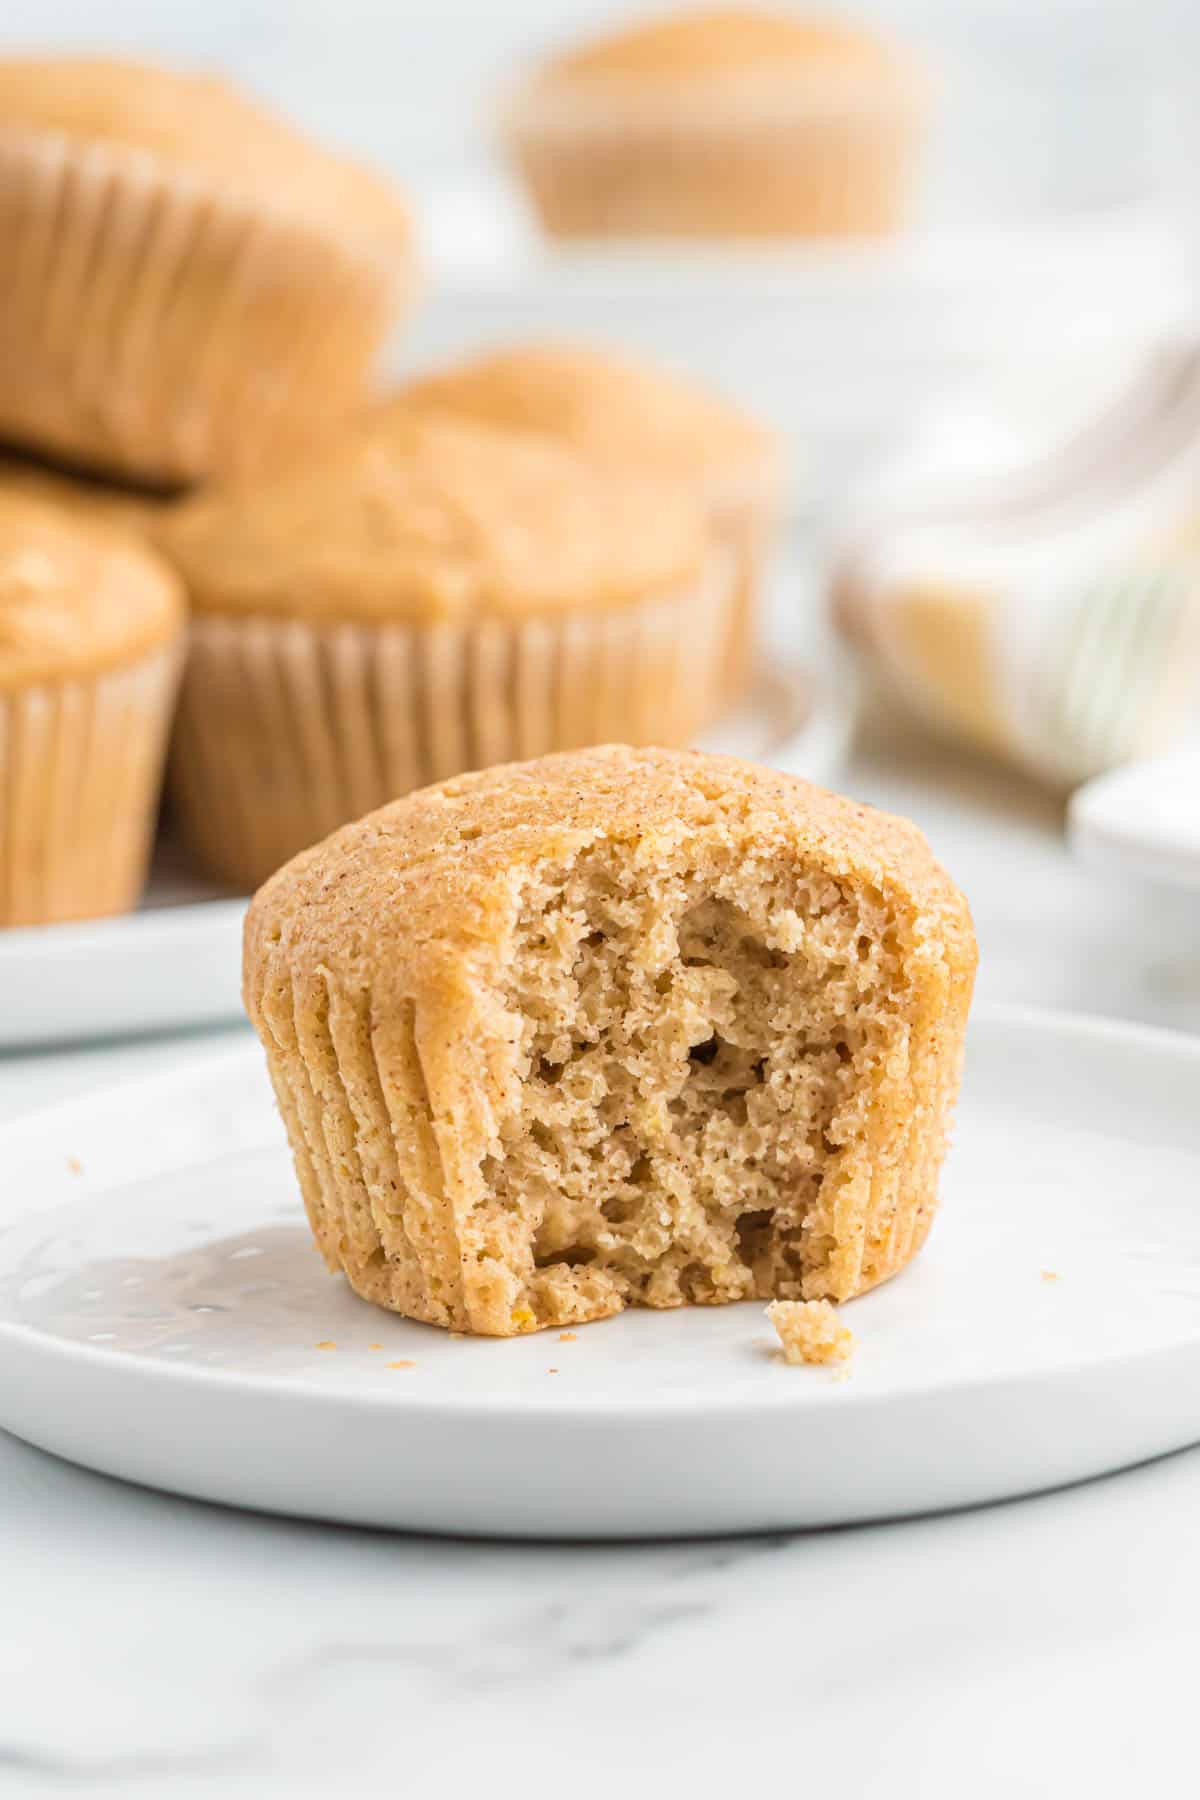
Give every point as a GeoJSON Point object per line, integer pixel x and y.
{"type": "Point", "coordinates": [153, 1646]}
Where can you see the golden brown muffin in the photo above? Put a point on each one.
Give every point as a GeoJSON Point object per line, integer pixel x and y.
{"type": "Point", "coordinates": [620, 1027]}
{"type": "Point", "coordinates": [432, 596]}
{"type": "Point", "coordinates": [722, 122]}
{"type": "Point", "coordinates": [191, 286]}
{"type": "Point", "coordinates": [629, 417]}
{"type": "Point", "coordinates": [91, 629]}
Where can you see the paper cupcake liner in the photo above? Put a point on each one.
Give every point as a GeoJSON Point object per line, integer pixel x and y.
{"type": "Point", "coordinates": [158, 329]}
{"type": "Point", "coordinates": [348, 1088]}
{"type": "Point", "coordinates": [818, 171]}
{"type": "Point", "coordinates": [80, 768]}
{"type": "Point", "coordinates": [287, 730]}
{"type": "Point", "coordinates": [743, 525]}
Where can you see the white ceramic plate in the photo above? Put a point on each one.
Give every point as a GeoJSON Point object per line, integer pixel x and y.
{"type": "Point", "coordinates": [177, 961]}
{"type": "Point", "coordinates": [1143, 820]}
{"type": "Point", "coordinates": [162, 1311]}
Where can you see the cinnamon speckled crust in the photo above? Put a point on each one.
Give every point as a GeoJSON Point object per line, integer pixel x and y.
{"type": "Point", "coordinates": [191, 288]}
{"type": "Point", "coordinates": [385, 971]}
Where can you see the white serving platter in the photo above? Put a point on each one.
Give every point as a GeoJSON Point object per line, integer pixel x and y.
{"type": "Point", "coordinates": [1143, 820]}
{"type": "Point", "coordinates": [176, 962]}
{"type": "Point", "coordinates": [163, 1312]}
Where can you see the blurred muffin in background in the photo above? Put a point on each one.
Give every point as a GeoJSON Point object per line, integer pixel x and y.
{"type": "Point", "coordinates": [189, 283]}
{"type": "Point", "coordinates": [91, 634]}
{"type": "Point", "coordinates": [431, 596]}
{"type": "Point", "coordinates": [634, 420]}
{"type": "Point", "coordinates": [729, 122]}
{"type": "Point", "coordinates": [127, 509]}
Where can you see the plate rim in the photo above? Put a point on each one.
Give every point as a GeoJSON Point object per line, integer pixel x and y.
{"type": "Point", "coordinates": [1097, 842]}
{"type": "Point", "coordinates": [564, 1406]}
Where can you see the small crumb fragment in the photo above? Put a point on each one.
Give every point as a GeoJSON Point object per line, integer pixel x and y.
{"type": "Point", "coordinates": [326, 1344]}
{"type": "Point", "coordinates": [552, 1371]}
{"type": "Point", "coordinates": [810, 1331]}
{"type": "Point", "coordinates": [566, 1337]}
{"type": "Point", "coordinates": [402, 1365]}
{"type": "Point", "coordinates": [374, 1346]}
{"type": "Point", "coordinates": [75, 1166]}
{"type": "Point", "coordinates": [458, 1334]}
{"type": "Point", "coordinates": [1050, 1275]}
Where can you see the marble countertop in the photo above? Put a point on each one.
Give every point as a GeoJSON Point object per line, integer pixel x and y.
{"type": "Point", "coordinates": [154, 1646]}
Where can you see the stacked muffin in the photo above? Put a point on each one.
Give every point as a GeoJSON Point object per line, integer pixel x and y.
{"type": "Point", "coordinates": [190, 288]}
{"type": "Point", "coordinates": [540, 550]}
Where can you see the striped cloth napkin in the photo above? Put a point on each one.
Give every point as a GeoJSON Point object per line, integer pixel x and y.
{"type": "Point", "coordinates": [1048, 611]}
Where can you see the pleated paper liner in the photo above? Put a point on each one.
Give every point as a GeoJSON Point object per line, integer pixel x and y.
{"type": "Point", "coordinates": [80, 769]}
{"type": "Point", "coordinates": [288, 729]}
{"type": "Point", "coordinates": [155, 327]}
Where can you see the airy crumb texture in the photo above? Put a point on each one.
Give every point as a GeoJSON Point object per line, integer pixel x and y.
{"type": "Point", "coordinates": [810, 1331]}
{"type": "Point", "coordinates": [613, 1028]}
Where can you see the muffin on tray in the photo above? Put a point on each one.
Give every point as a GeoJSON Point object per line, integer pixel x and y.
{"type": "Point", "coordinates": [618, 1027]}
{"type": "Point", "coordinates": [190, 285]}
{"type": "Point", "coordinates": [91, 639]}
{"type": "Point", "coordinates": [722, 122]}
{"type": "Point", "coordinates": [630, 417]}
{"type": "Point", "coordinates": [432, 596]}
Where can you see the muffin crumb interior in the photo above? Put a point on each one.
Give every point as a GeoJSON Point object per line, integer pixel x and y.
{"type": "Point", "coordinates": [690, 1046]}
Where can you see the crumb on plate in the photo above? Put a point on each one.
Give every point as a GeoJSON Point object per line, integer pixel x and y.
{"type": "Point", "coordinates": [326, 1344]}
{"type": "Point", "coordinates": [566, 1337]}
{"type": "Point", "coordinates": [810, 1331]}
{"type": "Point", "coordinates": [75, 1166]}
{"type": "Point", "coordinates": [1050, 1275]}
{"type": "Point", "coordinates": [404, 1364]}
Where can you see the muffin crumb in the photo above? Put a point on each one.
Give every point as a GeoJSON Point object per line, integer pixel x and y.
{"type": "Point", "coordinates": [566, 1337]}
{"type": "Point", "coordinates": [1050, 1275]}
{"type": "Point", "coordinates": [75, 1166]}
{"type": "Point", "coordinates": [326, 1344]}
{"type": "Point", "coordinates": [810, 1331]}
{"type": "Point", "coordinates": [404, 1363]}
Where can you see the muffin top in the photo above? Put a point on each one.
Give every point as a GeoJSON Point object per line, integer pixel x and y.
{"type": "Point", "coordinates": [620, 414]}
{"type": "Point", "coordinates": [432, 875]}
{"type": "Point", "coordinates": [421, 517]}
{"type": "Point", "coordinates": [719, 43]}
{"type": "Point", "coordinates": [122, 508]}
{"type": "Point", "coordinates": [76, 597]}
{"type": "Point", "coordinates": [201, 125]}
